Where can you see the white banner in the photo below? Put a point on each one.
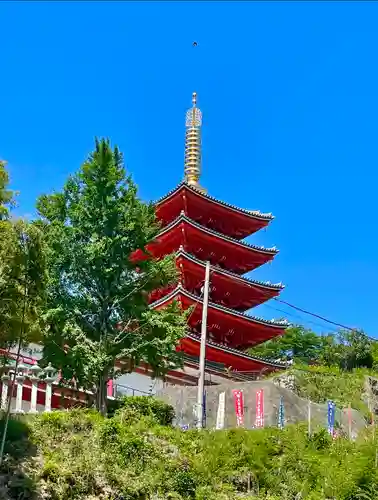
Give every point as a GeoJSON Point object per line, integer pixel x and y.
{"type": "Point", "coordinates": [259, 408]}
{"type": "Point", "coordinates": [221, 410]}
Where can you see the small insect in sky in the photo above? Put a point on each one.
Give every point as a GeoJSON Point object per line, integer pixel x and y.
{"type": "Point", "coordinates": [195, 44]}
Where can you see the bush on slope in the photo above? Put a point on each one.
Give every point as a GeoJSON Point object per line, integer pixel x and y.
{"type": "Point", "coordinates": [81, 455]}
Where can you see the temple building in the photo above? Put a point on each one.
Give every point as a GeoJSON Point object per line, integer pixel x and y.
{"type": "Point", "coordinates": [197, 228]}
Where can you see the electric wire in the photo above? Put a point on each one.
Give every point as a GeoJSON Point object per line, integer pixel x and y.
{"type": "Point", "coordinates": [305, 311]}
{"type": "Point", "coordinates": [297, 308]}
{"type": "Point", "coordinates": [340, 325]}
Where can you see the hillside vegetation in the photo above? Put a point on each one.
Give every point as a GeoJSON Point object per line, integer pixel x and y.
{"type": "Point", "coordinates": [132, 456]}
{"type": "Point", "coordinates": [321, 383]}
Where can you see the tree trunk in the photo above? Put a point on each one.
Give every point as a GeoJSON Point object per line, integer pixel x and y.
{"type": "Point", "coordinates": [101, 394]}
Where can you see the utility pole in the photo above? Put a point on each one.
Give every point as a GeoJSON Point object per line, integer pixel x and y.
{"type": "Point", "coordinates": [201, 378]}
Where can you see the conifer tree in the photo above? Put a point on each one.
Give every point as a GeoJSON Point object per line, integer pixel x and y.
{"type": "Point", "coordinates": [22, 273]}
{"type": "Point", "coordinates": [100, 321]}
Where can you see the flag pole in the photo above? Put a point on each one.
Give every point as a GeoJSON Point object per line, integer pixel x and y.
{"type": "Point", "coordinates": [309, 417]}
{"type": "Point", "coordinates": [201, 378]}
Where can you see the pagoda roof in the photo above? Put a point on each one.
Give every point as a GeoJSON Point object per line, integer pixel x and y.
{"type": "Point", "coordinates": [254, 214]}
{"type": "Point", "coordinates": [206, 244]}
{"type": "Point", "coordinates": [226, 272]}
{"type": "Point", "coordinates": [228, 288]}
{"type": "Point", "coordinates": [236, 352]}
{"type": "Point", "coordinates": [252, 329]}
{"type": "Point", "coordinates": [183, 218]}
{"type": "Point", "coordinates": [249, 220]}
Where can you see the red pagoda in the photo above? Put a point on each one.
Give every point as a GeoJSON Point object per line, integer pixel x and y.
{"type": "Point", "coordinates": [199, 228]}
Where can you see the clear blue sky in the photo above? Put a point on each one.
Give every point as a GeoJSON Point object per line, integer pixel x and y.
{"type": "Point", "coordinates": [289, 94]}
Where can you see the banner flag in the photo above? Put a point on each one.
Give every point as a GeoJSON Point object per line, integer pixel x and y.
{"type": "Point", "coordinates": [259, 408]}
{"type": "Point", "coordinates": [331, 417]}
{"type": "Point", "coordinates": [239, 406]}
{"type": "Point", "coordinates": [221, 411]}
{"type": "Point", "coordinates": [281, 414]}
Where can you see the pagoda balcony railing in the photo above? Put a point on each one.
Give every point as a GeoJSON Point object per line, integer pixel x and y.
{"type": "Point", "coordinates": [220, 369]}
{"type": "Point", "coordinates": [120, 391]}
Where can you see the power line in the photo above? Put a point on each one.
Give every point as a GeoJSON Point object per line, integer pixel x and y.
{"type": "Point", "coordinates": [304, 320]}
{"type": "Point", "coordinates": [297, 308]}
{"type": "Point", "coordinates": [305, 311]}
{"type": "Point", "coordinates": [340, 325]}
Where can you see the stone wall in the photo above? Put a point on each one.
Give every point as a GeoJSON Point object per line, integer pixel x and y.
{"type": "Point", "coordinates": [183, 399]}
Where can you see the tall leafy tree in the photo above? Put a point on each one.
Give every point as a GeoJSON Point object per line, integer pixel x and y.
{"type": "Point", "coordinates": [6, 195]}
{"type": "Point", "coordinates": [23, 281]}
{"type": "Point", "coordinates": [345, 349]}
{"type": "Point", "coordinates": [297, 343]}
{"type": "Point", "coordinates": [22, 273]}
{"type": "Point", "coordinates": [348, 349]}
{"type": "Point", "coordinates": [100, 321]}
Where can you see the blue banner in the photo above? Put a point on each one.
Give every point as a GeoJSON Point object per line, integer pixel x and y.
{"type": "Point", "coordinates": [281, 414]}
{"type": "Point", "coordinates": [331, 417]}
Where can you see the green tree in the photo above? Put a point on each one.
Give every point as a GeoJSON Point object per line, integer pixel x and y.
{"type": "Point", "coordinates": [297, 343]}
{"type": "Point", "coordinates": [6, 195]}
{"type": "Point", "coordinates": [23, 282]}
{"type": "Point", "coordinates": [348, 349]}
{"type": "Point", "coordinates": [100, 321]}
{"type": "Point", "coordinates": [374, 353]}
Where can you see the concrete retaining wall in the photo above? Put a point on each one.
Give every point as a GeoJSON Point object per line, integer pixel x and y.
{"type": "Point", "coordinates": [183, 399]}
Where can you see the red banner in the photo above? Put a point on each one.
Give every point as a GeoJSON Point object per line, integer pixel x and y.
{"type": "Point", "coordinates": [239, 407]}
{"type": "Point", "coordinates": [259, 408]}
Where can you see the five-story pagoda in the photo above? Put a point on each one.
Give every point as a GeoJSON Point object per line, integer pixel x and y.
{"type": "Point", "coordinates": [199, 228]}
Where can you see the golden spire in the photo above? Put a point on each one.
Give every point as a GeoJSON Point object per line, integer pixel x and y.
{"type": "Point", "coordinates": [193, 124]}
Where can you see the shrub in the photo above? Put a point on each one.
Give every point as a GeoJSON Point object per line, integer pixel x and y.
{"type": "Point", "coordinates": [148, 406]}
{"type": "Point", "coordinates": [17, 443]}
{"type": "Point", "coordinates": [84, 456]}
{"type": "Point", "coordinates": [17, 429]}
{"type": "Point", "coordinates": [185, 483]}
{"type": "Point", "coordinates": [109, 432]}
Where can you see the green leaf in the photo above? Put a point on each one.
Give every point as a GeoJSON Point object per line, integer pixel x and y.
{"type": "Point", "coordinates": [98, 308]}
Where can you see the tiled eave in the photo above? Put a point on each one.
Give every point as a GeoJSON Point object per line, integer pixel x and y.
{"type": "Point", "coordinates": [254, 319]}
{"type": "Point", "coordinates": [215, 234]}
{"type": "Point", "coordinates": [234, 276]}
{"type": "Point", "coordinates": [253, 214]}
{"type": "Point", "coordinates": [238, 353]}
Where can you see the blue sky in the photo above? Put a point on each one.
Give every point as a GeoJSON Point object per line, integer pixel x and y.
{"type": "Point", "coordinates": [289, 95]}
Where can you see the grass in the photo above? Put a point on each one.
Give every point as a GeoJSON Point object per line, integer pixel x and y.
{"type": "Point", "coordinates": [137, 455]}
{"type": "Point", "coordinates": [81, 455]}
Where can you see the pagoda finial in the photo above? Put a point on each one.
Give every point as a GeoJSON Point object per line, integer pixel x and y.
{"type": "Point", "coordinates": [193, 124]}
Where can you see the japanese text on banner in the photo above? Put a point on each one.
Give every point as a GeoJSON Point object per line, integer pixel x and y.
{"type": "Point", "coordinates": [259, 408]}
{"type": "Point", "coordinates": [239, 407]}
